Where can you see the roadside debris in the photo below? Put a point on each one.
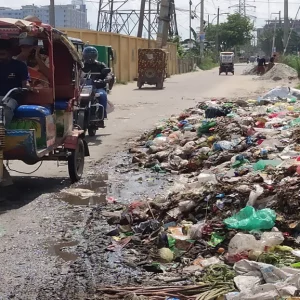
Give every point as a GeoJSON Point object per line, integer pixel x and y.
{"type": "Point", "coordinates": [278, 72]}
{"type": "Point", "coordinates": [230, 223]}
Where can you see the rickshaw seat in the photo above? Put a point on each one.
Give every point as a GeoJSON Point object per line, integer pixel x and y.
{"type": "Point", "coordinates": [60, 104]}
{"type": "Point", "coordinates": [43, 98]}
{"type": "Point", "coordinates": [31, 111]}
{"type": "Point", "coordinates": [65, 91]}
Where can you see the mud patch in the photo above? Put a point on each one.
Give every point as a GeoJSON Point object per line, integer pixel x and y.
{"type": "Point", "coordinates": [60, 250]}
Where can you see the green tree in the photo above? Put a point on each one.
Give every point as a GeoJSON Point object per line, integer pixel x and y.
{"type": "Point", "coordinates": [235, 32]}
{"type": "Point", "coordinates": [266, 41]}
{"type": "Point", "coordinates": [177, 40]}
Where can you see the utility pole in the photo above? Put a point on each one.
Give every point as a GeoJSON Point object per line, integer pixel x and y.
{"type": "Point", "coordinates": [279, 18]}
{"type": "Point", "coordinates": [163, 24]}
{"type": "Point", "coordinates": [149, 24]}
{"type": "Point", "coordinates": [111, 14]}
{"type": "Point", "coordinates": [217, 36]}
{"type": "Point", "coordinates": [52, 13]}
{"type": "Point", "coordinates": [274, 36]}
{"type": "Point", "coordinates": [202, 29]}
{"type": "Point", "coordinates": [286, 23]}
{"type": "Point", "coordinates": [141, 19]}
{"type": "Point", "coordinates": [190, 23]}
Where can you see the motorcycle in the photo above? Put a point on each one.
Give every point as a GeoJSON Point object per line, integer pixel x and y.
{"type": "Point", "coordinates": [90, 113]}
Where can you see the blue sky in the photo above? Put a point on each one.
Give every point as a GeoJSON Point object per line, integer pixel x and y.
{"type": "Point", "coordinates": [262, 12]}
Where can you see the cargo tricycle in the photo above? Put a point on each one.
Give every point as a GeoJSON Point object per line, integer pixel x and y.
{"type": "Point", "coordinates": [43, 128]}
{"type": "Point", "coordinates": [226, 63]}
{"type": "Point", "coordinates": [152, 66]}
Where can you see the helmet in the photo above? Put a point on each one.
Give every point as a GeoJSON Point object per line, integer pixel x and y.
{"type": "Point", "coordinates": [90, 54]}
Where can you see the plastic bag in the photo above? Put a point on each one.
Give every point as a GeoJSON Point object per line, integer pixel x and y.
{"type": "Point", "coordinates": [109, 107]}
{"type": "Point", "coordinates": [249, 219]}
{"type": "Point", "coordinates": [255, 194]}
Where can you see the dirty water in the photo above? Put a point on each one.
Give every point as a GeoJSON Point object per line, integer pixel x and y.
{"type": "Point", "coordinates": [59, 250]}
{"type": "Point", "coordinates": [120, 183]}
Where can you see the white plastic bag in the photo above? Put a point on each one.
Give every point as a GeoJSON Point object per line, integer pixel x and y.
{"type": "Point", "coordinates": [110, 107]}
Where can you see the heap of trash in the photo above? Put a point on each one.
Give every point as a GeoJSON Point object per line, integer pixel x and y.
{"type": "Point", "coordinates": [230, 225]}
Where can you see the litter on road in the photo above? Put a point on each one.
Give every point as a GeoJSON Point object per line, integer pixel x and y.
{"type": "Point", "coordinates": [229, 227]}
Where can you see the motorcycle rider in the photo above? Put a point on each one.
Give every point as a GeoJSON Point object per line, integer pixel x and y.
{"type": "Point", "coordinates": [91, 64]}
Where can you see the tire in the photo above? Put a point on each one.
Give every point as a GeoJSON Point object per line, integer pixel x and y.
{"type": "Point", "coordinates": [139, 85]}
{"type": "Point", "coordinates": [92, 131]}
{"type": "Point", "coordinates": [226, 73]}
{"type": "Point", "coordinates": [76, 162]}
{"type": "Point", "coordinates": [81, 120]}
{"type": "Point", "coordinates": [160, 85]}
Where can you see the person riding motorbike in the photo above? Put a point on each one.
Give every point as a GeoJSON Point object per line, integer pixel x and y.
{"type": "Point", "coordinates": [13, 74]}
{"type": "Point", "coordinates": [91, 64]}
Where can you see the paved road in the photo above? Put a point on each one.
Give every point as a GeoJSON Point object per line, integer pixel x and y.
{"type": "Point", "coordinates": [137, 110]}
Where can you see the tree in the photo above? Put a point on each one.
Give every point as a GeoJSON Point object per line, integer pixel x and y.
{"type": "Point", "coordinates": [266, 41]}
{"type": "Point", "coordinates": [235, 32]}
{"type": "Point", "coordinates": [177, 40]}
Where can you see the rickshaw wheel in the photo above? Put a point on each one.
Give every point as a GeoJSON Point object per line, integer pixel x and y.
{"type": "Point", "coordinates": [160, 85]}
{"type": "Point", "coordinates": [76, 162]}
{"type": "Point", "coordinates": [82, 120]}
{"type": "Point", "coordinates": [92, 130]}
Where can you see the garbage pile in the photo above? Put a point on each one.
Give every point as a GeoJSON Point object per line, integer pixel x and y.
{"type": "Point", "coordinates": [231, 222]}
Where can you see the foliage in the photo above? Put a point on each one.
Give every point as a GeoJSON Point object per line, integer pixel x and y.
{"type": "Point", "coordinates": [292, 61]}
{"type": "Point", "coordinates": [266, 40]}
{"type": "Point", "coordinates": [236, 31]}
{"type": "Point", "coordinates": [207, 63]}
{"type": "Point", "coordinates": [177, 40]}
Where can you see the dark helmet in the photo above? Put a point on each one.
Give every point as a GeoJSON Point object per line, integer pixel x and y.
{"type": "Point", "coordinates": [90, 54]}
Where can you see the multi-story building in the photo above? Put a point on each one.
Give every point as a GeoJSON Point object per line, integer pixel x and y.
{"type": "Point", "coordinates": [72, 15]}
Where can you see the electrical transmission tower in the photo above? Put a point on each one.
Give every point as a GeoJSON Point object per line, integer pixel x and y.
{"type": "Point", "coordinates": [114, 17]}
{"type": "Point", "coordinates": [242, 8]}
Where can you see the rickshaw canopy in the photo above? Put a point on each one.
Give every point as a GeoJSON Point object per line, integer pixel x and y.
{"type": "Point", "coordinates": [18, 28]}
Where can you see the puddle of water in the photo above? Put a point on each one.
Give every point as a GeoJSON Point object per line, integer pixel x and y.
{"type": "Point", "coordinates": [97, 185]}
{"type": "Point", "coordinates": [58, 250]}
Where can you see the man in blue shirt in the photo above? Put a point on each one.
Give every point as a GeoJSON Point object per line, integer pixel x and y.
{"type": "Point", "coordinates": [13, 74]}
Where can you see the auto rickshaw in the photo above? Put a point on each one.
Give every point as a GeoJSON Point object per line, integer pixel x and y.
{"type": "Point", "coordinates": [43, 127]}
{"type": "Point", "coordinates": [152, 66]}
{"type": "Point", "coordinates": [226, 63]}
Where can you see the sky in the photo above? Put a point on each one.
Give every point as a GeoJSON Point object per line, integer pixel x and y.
{"type": "Point", "coordinates": [262, 11]}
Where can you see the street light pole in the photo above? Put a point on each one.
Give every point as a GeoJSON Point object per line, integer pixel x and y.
{"type": "Point", "coordinates": [52, 13]}
{"type": "Point", "coordinates": [217, 35]}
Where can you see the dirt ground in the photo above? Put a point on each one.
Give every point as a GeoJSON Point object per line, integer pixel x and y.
{"type": "Point", "coordinates": [53, 246]}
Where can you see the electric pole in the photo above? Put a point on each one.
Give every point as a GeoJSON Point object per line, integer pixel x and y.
{"type": "Point", "coordinates": [202, 29]}
{"type": "Point", "coordinates": [190, 24]}
{"type": "Point", "coordinates": [286, 23]}
{"type": "Point", "coordinates": [217, 36]}
{"type": "Point", "coordinates": [52, 13]}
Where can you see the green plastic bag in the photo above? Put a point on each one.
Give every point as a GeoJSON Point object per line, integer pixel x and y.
{"type": "Point", "coordinates": [249, 219]}
{"type": "Point", "coordinates": [204, 128]}
{"type": "Point", "coordinates": [261, 164]}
